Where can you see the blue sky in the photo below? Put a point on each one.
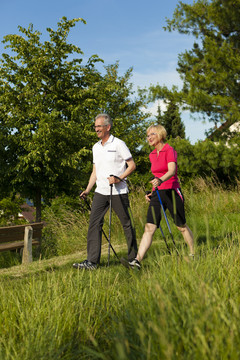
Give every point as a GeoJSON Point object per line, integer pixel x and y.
{"type": "Point", "coordinates": [130, 32]}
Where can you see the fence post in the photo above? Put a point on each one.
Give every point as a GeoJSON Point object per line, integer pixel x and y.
{"type": "Point", "coordinates": [27, 250]}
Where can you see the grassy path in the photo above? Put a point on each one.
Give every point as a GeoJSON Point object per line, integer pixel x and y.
{"type": "Point", "coordinates": [53, 263]}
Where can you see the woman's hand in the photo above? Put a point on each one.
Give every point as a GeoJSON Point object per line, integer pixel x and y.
{"type": "Point", "coordinates": [156, 182]}
{"type": "Point", "coordinates": [148, 196]}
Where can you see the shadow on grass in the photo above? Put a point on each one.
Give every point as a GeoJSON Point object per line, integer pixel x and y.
{"type": "Point", "coordinates": [10, 258]}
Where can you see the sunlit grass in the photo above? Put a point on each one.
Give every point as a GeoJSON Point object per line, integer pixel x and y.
{"type": "Point", "coordinates": [173, 308]}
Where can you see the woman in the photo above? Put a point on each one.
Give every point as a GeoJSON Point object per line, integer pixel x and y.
{"type": "Point", "coordinates": [164, 168]}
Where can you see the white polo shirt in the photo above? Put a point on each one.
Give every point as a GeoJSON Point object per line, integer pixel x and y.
{"type": "Point", "coordinates": [110, 159]}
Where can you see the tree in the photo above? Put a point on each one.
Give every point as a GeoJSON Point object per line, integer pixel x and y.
{"type": "Point", "coordinates": [4, 162]}
{"type": "Point", "coordinates": [115, 98]}
{"type": "Point", "coordinates": [208, 160]}
{"type": "Point", "coordinates": [159, 115]}
{"type": "Point", "coordinates": [172, 122]}
{"type": "Point", "coordinates": [211, 69]}
{"type": "Point", "coordinates": [48, 101]}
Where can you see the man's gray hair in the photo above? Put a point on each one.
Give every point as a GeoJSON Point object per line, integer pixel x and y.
{"type": "Point", "coordinates": [107, 119]}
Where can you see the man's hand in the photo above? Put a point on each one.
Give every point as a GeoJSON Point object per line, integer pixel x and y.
{"type": "Point", "coordinates": [114, 179]}
{"type": "Point", "coordinates": [83, 194]}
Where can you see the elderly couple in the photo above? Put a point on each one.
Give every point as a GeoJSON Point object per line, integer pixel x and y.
{"type": "Point", "coordinates": [112, 156]}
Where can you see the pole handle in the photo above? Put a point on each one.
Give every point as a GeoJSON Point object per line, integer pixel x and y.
{"type": "Point", "coordinates": [117, 177]}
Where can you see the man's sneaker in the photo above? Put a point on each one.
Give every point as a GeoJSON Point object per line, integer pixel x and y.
{"type": "Point", "coordinates": [85, 265]}
{"type": "Point", "coordinates": [134, 264]}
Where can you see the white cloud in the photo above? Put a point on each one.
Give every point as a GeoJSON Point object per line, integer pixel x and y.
{"type": "Point", "coordinates": [153, 107]}
{"type": "Point", "coordinates": [167, 78]}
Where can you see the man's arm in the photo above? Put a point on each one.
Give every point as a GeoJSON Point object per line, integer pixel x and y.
{"type": "Point", "coordinates": [131, 167]}
{"type": "Point", "coordinates": [91, 182]}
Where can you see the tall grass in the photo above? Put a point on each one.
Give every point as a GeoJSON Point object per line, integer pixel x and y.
{"type": "Point", "coordinates": [66, 230]}
{"type": "Point", "coordinates": [211, 212]}
{"type": "Point", "coordinates": [172, 309]}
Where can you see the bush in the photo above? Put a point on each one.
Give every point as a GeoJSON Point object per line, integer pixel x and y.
{"type": "Point", "coordinates": [9, 211]}
{"type": "Point", "coordinates": [207, 159]}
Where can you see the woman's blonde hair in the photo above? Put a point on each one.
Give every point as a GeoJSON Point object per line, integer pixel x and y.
{"type": "Point", "coordinates": [160, 130]}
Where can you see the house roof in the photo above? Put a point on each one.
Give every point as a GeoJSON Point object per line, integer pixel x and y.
{"type": "Point", "coordinates": [28, 212]}
{"type": "Point", "coordinates": [222, 129]}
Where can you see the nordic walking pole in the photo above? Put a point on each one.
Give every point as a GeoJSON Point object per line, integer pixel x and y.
{"type": "Point", "coordinates": [165, 216]}
{"type": "Point", "coordinates": [164, 238]}
{"type": "Point", "coordinates": [89, 208]}
{"type": "Point", "coordinates": [110, 218]}
{"type": "Point", "coordinates": [159, 197]}
{"type": "Point", "coordinates": [110, 221]}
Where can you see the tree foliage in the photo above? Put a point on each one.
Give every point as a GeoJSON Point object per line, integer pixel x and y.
{"type": "Point", "coordinates": [10, 207]}
{"type": "Point", "coordinates": [171, 120]}
{"type": "Point", "coordinates": [207, 159]}
{"type": "Point", "coordinates": [48, 101]}
{"type": "Point", "coordinates": [211, 69]}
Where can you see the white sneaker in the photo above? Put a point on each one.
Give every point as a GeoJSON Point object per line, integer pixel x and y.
{"type": "Point", "coordinates": [85, 265]}
{"type": "Point", "coordinates": [134, 264]}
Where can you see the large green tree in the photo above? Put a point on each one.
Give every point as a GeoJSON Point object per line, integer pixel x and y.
{"type": "Point", "coordinates": [48, 101]}
{"type": "Point", "coordinates": [211, 69]}
{"type": "Point", "coordinates": [6, 159]}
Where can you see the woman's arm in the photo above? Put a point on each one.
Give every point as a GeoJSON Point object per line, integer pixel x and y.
{"type": "Point", "coordinates": [171, 172]}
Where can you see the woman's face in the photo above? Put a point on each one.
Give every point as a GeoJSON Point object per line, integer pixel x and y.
{"type": "Point", "coordinates": [153, 137]}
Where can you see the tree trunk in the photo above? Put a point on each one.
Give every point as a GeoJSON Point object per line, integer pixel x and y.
{"type": "Point", "coordinates": [38, 205]}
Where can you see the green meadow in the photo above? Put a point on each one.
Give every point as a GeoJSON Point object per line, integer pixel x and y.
{"type": "Point", "coordinates": [174, 308]}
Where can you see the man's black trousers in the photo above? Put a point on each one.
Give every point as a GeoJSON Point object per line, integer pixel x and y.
{"type": "Point", "coordinates": [100, 205]}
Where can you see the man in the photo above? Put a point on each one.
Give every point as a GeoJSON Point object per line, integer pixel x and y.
{"type": "Point", "coordinates": [110, 156]}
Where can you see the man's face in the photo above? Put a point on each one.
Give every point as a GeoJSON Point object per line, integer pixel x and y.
{"type": "Point", "coordinates": [101, 129]}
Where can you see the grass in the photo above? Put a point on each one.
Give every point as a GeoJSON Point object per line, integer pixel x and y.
{"type": "Point", "coordinates": [172, 309]}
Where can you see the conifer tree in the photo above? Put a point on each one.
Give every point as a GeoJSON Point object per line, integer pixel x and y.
{"type": "Point", "coordinates": [171, 120]}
